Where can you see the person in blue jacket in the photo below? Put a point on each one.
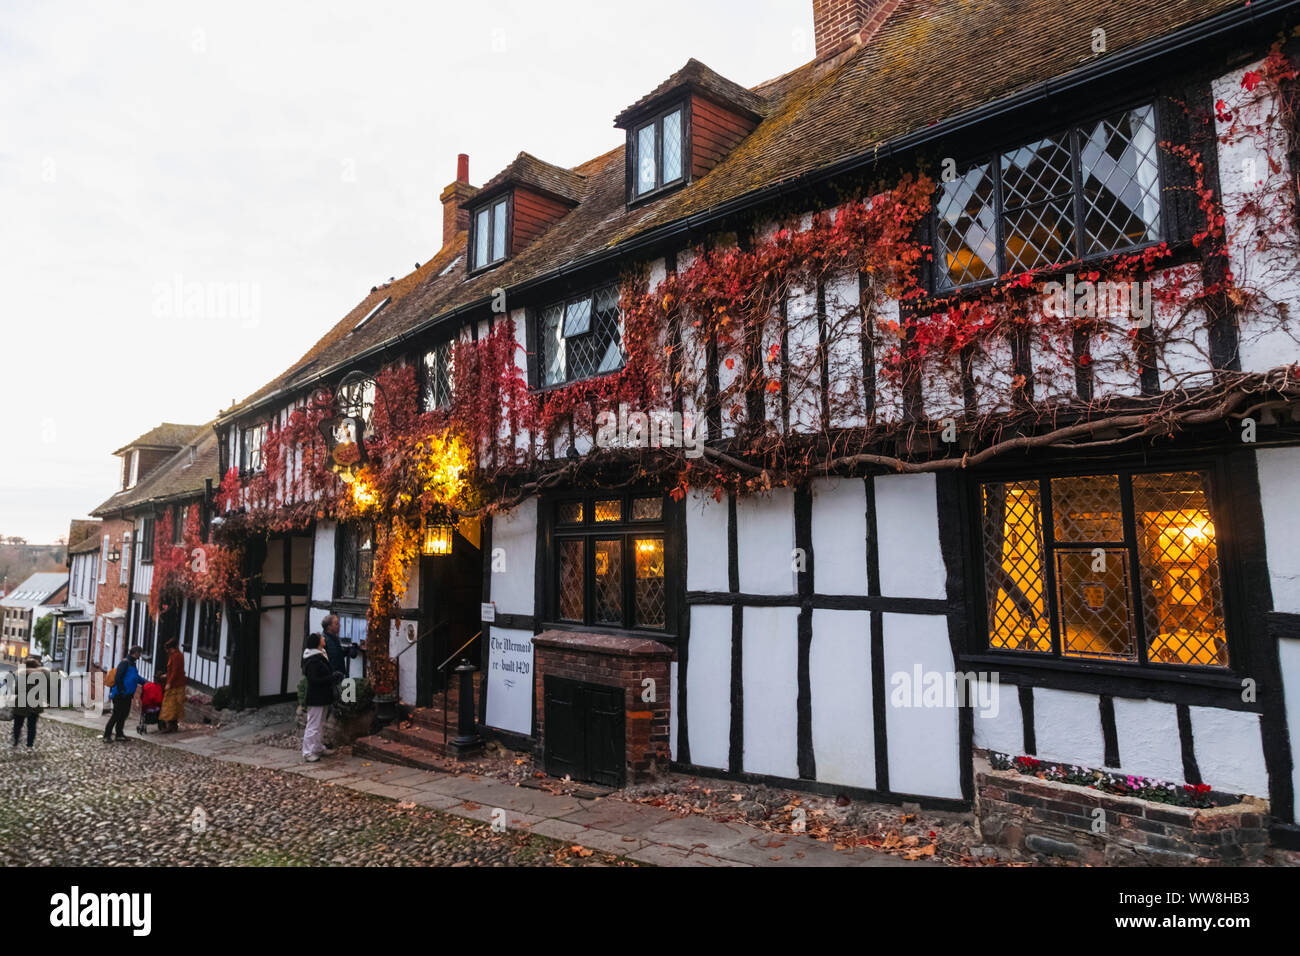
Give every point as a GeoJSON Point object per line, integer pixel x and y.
{"type": "Point", "coordinates": [126, 680]}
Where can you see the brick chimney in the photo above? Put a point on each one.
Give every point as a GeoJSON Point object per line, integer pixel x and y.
{"type": "Point", "coordinates": [455, 219]}
{"type": "Point", "coordinates": [840, 23]}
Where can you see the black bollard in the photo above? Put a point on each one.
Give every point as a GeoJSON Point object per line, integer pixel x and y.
{"type": "Point", "coordinates": [467, 740]}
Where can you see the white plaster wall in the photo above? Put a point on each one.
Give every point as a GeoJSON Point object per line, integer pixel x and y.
{"type": "Point", "coordinates": [322, 574]}
{"type": "Point", "coordinates": [924, 742]}
{"type": "Point", "coordinates": [771, 680]}
{"type": "Point", "coordinates": [1182, 341]}
{"type": "Point", "coordinates": [1289, 656]}
{"type": "Point", "coordinates": [839, 536]}
{"type": "Point", "coordinates": [1278, 471]}
{"type": "Point", "coordinates": [510, 693]}
{"type": "Point", "coordinates": [706, 542]}
{"type": "Point", "coordinates": [1149, 743]}
{"type": "Point", "coordinates": [1245, 176]}
{"type": "Point", "coordinates": [1001, 727]}
{"type": "Point", "coordinates": [708, 686]}
{"type": "Point", "coordinates": [991, 370]}
{"type": "Point", "coordinates": [765, 543]}
{"type": "Point", "coordinates": [804, 386]}
{"type": "Point", "coordinates": [844, 352]}
{"type": "Point", "coordinates": [907, 525]}
{"type": "Point", "coordinates": [1067, 727]}
{"type": "Point", "coordinates": [1229, 750]}
{"type": "Point", "coordinates": [839, 666]}
{"type": "Point", "coordinates": [515, 533]}
{"type": "Point", "coordinates": [889, 396]}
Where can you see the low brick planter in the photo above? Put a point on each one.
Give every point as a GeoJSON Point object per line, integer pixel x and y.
{"type": "Point", "coordinates": [1058, 819]}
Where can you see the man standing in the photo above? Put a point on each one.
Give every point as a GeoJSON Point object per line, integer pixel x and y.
{"type": "Point", "coordinates": [173, 702]}
{"type": "Point", "coordinates": [320, 694]}
{"type": "Point", "coordinates": [33, 694]}
{"type": "Point", "coordinates": [126, 679]}
{"type": "Point", "coordinates": [333, 646]}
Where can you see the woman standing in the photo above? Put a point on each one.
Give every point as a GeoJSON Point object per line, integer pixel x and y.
{"type": "Point", "coordinates": [173, 702]}
{"type": "Point", "coordinates": [33, 695]}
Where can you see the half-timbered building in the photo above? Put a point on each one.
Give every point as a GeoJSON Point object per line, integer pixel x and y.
{"type": "Point", "coordinates": [1097, 525]}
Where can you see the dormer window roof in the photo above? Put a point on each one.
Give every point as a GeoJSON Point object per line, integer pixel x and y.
{"type": "Point", "coordinates": [684, 128]}
{"type": "Point", "coordinates": [516, 206]}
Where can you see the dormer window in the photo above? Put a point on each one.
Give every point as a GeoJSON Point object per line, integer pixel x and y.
{"type": "Point", "coordinates": [490, 233]}
{"type": "Point", "coordinates": [659, 146]}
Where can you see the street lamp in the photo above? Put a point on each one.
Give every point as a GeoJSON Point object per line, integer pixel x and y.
{"type": "Point", "coordinates": [437, 539]}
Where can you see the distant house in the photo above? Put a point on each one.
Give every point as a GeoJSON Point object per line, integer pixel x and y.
{"type": "Point", "coordinates": [26, 604]}
{"type": "Point", "coordinates": [74, 618]}
{"type": "Point", "coordinates": [165, 477]}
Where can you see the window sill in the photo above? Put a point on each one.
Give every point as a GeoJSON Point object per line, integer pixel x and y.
{"type": "Point", "coordinates": [483, 270]}
{"type": "Point", "coordinates": [664, 636]}
{"type": "Point", "coordinates": [559, 386]}
{"type": "Point", "coordinates": [645, 198]}
{"type": "Point", "coordinates": [1158, 681]}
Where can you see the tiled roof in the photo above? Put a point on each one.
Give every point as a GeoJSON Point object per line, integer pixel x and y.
{"type": "Point", "coordinates": [81, 530]}
{"type": "Point", "coordinates": [86, 545]}
{"type": "Point", "coordinates": [528, 170]}
{"type": "Point", "coordinates": [695, 75]}
{"type": "Point", "coordinates": [36, 590]}
{"type": "Point", "coordinates": [166, 435]}
{"type": "Point", "coordinates": [177, 477]}
{"type": "Point", "coordinates": [932, 61]}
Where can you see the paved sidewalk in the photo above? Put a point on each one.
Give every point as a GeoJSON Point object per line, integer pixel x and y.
{"type": "Point", "coordinates": [639, 832]}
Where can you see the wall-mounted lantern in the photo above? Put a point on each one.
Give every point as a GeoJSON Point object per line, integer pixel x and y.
{"type": "Point", "coordinates": [436, 539]}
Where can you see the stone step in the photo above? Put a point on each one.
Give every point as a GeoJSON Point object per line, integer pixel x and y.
{"type": "Point", "coordinates": [389, 751]}
{"type": "Point", "coordinates": [416, 736]}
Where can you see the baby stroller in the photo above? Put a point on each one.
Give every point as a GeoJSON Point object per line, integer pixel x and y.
{"type": "Point", "coordinates": [150, 706]}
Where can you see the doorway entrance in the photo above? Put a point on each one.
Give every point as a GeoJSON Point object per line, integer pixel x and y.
{"type": "Point", "coordinates": [451, 591]}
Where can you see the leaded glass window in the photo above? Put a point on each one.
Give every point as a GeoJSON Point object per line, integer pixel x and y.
{"type": "Point", "coordinates": [580, 337]}
{"type": "Point", "coordinates": [1106, 567]}
{"type": "Point", "coordinates": [659, 153]}
{"type": "Point", "coordinates": [438, 368]}
{"type": "Point", "coordinates": [491, 231]}
{"type": "Point", "coordinates": [356, 551]}
{"type": "Point", "coordinates": [609, 562]}
{"type": "Point", "coordinates": [1091, 190]}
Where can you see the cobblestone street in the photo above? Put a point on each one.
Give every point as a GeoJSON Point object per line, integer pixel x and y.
{"type": "Point", "coordinates": [78, 802]}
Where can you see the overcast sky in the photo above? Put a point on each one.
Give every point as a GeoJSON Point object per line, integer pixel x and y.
{"type": "Point", "coordinates": [279, 159]}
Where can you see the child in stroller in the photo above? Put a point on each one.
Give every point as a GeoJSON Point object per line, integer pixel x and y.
{"type": "Point", "coordinates": [150, 706]}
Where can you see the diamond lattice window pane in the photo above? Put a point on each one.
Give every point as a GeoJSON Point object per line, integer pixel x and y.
{"type": "Point", "coordinates": [437, 377]}
{"type": "Point", "coordinates": [569, 512]}
{"type": "Point", "coordinates": [1039, 235]}
{"type": "Point", "coordinates": [608, 592]}
{"type": "Point", "coordinates": [673, 146]}
{"type": "Point", "coordinates": [967, 229]}
{"type": "Point", "coordinates": [573, 577]}
{"type": "Point", "coordinates": [647, 509]}
{"type": "Point", "coordinates": [601, 349]}
{"type": "Point", "coordinates": [1087, 509]}
{"type": "Point", "coordinates": [1182, 597]}
{"type": "Point", "coordinates": [1013, 568]}
{"type": "Point", "coordinates": [1121, 182]}
{"type": "Point", "coordinates": [481, 235]}
{"type": "Point", "coordinates": [1037, 172]}
{"type": "Point", "coordinates": [577, 318]}
{"type": "Point", "coordinates": [611, 510]}
{"type": "Point", "coordinates": [1093, 592]}
{"type": "Point", "coordinates": [553, 358]}
{"type": "Point", "coordinates": [499, 231]}
{"type": "Point", "coordinates": [649, 582]}
{"type": "Point", "coordinates": [645, 159]}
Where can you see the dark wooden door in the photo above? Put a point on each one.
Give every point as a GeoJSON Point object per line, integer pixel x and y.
{"type": "Point", "coordinates": [451, 594]}
{"type": "Point", "coordinates": [584, 731]}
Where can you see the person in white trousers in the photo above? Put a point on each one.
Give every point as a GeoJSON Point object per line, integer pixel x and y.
{"type": "Point", "coordinates": [320, 694]}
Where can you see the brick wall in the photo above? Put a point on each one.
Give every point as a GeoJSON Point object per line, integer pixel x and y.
{"type": "Point", "coordinates": [1059, 820]}
{"type": "Point", "coordinates": [613, 661]}
{"type": "Point", "coordinates": [112, 593]}
{"type": "Point", "coordinates": [837, 23]}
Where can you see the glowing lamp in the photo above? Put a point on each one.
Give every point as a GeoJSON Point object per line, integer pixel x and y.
{"type": "Point", "coordinates": [437, 539]}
